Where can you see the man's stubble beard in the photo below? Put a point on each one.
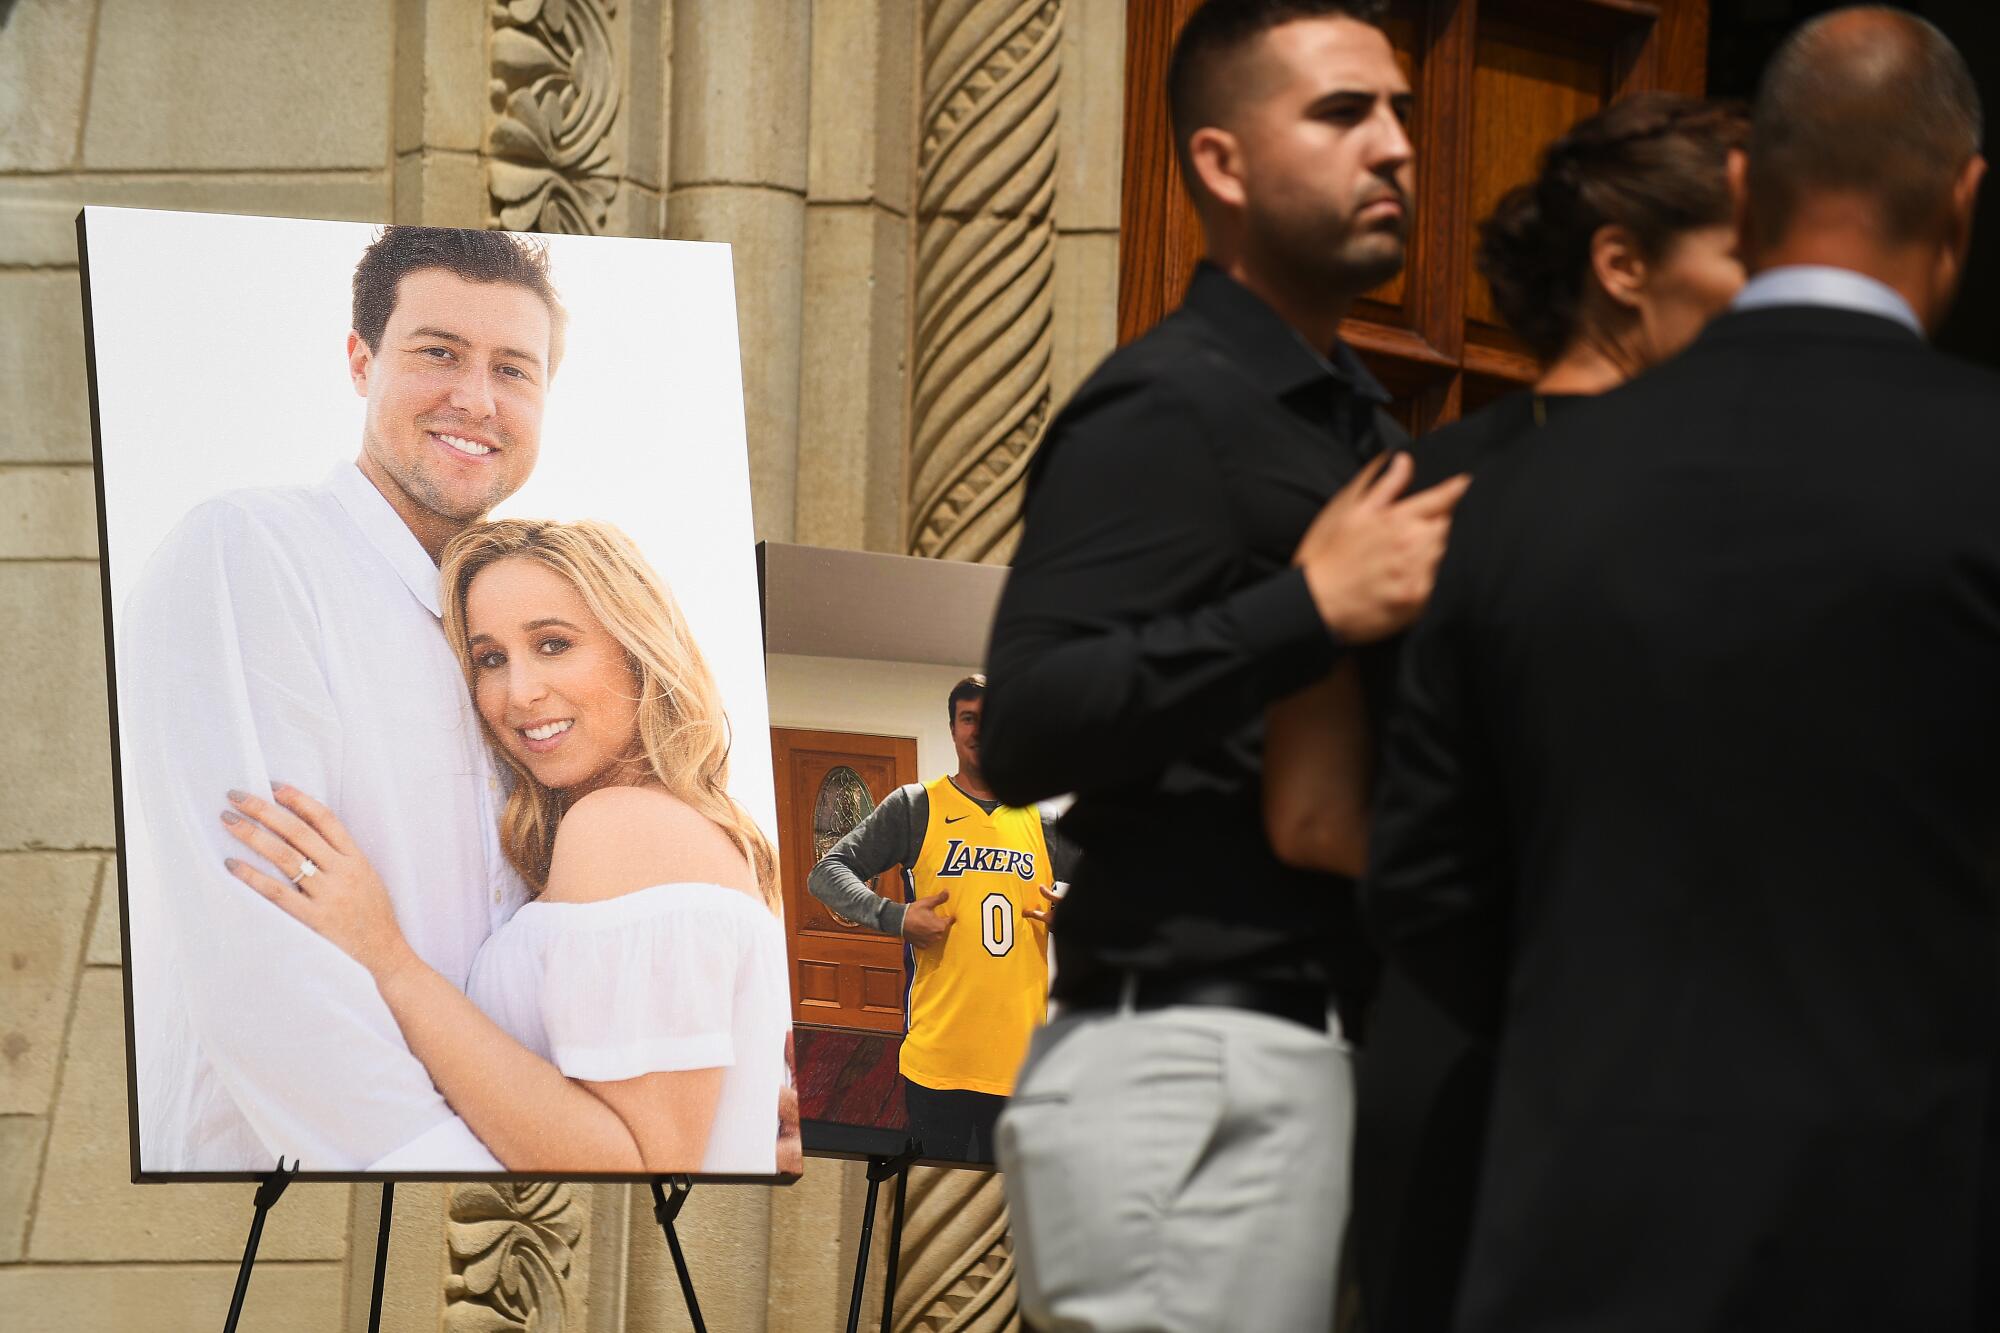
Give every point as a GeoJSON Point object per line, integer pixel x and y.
{"type": "Point", "coordinates": [1306, 259]}
{"type": "Point", "coordinates": [424, 492]}
{"type": "Point", "coordinates": [1340, 275]}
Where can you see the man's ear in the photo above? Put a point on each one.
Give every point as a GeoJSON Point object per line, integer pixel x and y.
{"type": "Point", "coordinates": [1737, 168]}
{"type": "Point", "coordinates": [1618, 265]}
{"type": "Point", "coordinates": [1217, 158]}
{"type": "Point", "coordinates": [1964, 204]}
{"type": "Point", "coordinates": [358, 360]}
{"type": "Point", "coordinates": [1948, 270]}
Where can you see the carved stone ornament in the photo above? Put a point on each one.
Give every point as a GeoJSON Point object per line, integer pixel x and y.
{"type": "Point", "coordinates": [511, 1247]}
{"type": "Point", "coordinates": [985, 261]}
{"type": "Point", "coordinates": [556, 89]}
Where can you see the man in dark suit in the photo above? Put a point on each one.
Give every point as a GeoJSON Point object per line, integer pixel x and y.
{"type": "Point", "coordinates": [1692, 803]}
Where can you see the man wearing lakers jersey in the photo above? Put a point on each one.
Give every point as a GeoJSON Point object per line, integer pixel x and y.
{"type": "Point", "coordinates": [981, 876]}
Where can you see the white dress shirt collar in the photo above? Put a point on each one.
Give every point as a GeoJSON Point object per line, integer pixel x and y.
{"type": "Point", "coordinates": [384, 529]}
{"type": "Point", "coordinates": [1825, 285]}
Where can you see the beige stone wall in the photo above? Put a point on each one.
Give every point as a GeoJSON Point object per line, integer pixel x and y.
{"type": "Point", "coordinates": [794, 129]}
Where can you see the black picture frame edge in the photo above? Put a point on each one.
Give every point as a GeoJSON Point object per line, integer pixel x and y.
{"type": "Point", "coordinates": [111, 695]}
{"type": "Point", "coordinates": [777, 1180]}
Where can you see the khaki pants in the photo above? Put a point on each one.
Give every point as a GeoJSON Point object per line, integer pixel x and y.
{"type": "Point", "coordinates": [1179, 1170]}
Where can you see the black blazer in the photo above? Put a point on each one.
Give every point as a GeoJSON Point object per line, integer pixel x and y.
{"type": "Point", "coordinates": [1692, 804]}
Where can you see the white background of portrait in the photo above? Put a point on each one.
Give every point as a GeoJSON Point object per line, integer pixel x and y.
{"type": "Point", "coordinates": [221, 359]}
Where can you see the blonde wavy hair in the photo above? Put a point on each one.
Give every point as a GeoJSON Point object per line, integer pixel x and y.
{"type": "Point", "coordinates": [683, 731]}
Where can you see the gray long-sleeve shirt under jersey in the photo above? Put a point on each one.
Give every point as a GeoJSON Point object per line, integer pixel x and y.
{"type": "Point", "coordinates": [893, 835]}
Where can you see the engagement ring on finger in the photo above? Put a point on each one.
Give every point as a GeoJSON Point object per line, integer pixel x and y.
{"type": "Point", "coordinates": [306, 871]}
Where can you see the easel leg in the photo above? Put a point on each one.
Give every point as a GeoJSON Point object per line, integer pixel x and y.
{"type": "Point", "coordinates": [879, 1170]}
{"type": "Point", "coordinates": [861, 1253]}
{"type": "Point", "coordinates": [381, 1255]}
{"type": "Point", "coordinates": [267, 1194]}
{"type": "Point", "coordinates": [895, 1243]}
{"type": "Point", "coordinates": [666, 1212]}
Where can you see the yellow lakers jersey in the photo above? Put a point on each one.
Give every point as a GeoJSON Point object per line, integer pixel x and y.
{"type": "Point", "coordinates": [978, 996]}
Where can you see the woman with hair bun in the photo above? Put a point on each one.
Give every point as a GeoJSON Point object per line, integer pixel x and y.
{"type": "Point", "coordinates": [635, 1017]}
{"type": "Point", "coordinates": [1610, 261]}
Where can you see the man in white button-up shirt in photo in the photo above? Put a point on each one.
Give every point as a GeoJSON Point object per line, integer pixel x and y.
{"type": "Point", "coordinates": [293, 635]}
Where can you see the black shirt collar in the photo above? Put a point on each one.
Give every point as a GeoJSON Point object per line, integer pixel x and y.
{"type": "Point", "coordinates": [1268, 349]}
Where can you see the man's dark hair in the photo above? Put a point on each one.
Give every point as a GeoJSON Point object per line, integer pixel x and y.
{"type": "Point", "coordinates": [1865, 101]}
{"type": "Point", "coordinates": [1199, 89]}
{"type": "Point", "coordinates": [972, 687]}
{"type": "Point", "coordinates": [476, 256]}
{"type": "Point", "coordinates": [1653, 163]}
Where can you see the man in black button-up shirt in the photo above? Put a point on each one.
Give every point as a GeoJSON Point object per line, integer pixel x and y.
{"type": "Point", "coordinates": [1177, 1145]}
{"type": "Point", "coordinates": [1153, 612]}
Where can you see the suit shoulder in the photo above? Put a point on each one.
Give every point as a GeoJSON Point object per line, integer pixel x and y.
{"type": "Point", "coordinates": [1471, 442]}
{"type": "Point", "coordinates": [1969, 378]}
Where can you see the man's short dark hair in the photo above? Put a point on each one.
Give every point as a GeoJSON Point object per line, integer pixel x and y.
{"type": "Point", "coordinates": [972, 687]}
{"type": "Point", "coordinates": [476, 256]}
{"type": "Point", "coordinates": [1199, 90]}
{"type": "Point", "coordinates": [1872, 102]}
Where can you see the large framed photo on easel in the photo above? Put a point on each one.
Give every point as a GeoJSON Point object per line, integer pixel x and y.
{"type": "Point", "coordinates": [447, 833]}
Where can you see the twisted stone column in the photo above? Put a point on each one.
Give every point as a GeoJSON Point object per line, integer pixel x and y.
{"type": "Point", "coordinates": [985, 259]}
{"type": "Point", "coordinates": [957, 1271]}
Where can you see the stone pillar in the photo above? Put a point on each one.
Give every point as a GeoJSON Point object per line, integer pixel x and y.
{"type": "Point", "coordinates": [1089, 160]}
{"type": "Point", "coordinates": [725, 1232]}
{"type": "Point", "coordinates": [982, 338]}
{"type": "Point", "coordinates": [815, 1235]}
{"type": "Point", "coordinates": [858, 236]}
{"type": "Point", "coordinates": [737, 173]}
{"type": "Point", "coordinates": [439, 112]}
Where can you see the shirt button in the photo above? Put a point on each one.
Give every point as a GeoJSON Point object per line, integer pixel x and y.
{"type": "Point", "coordinates": [496, 895]}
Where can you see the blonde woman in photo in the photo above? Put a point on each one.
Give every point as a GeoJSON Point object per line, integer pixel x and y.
{"type": "Point", "coordinates": [634, 1016]}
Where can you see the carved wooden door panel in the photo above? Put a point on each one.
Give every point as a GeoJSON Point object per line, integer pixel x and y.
{"type": "Point", "coordinates": [843, 974]}
{"type": "Point", "coordinates": [1495, 80]}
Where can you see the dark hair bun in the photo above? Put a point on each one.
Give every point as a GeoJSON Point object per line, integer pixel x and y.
{"type": "Point", "coordinates": [1652, 163]}
{"type": "Point", "coordinates": [1535, 287]}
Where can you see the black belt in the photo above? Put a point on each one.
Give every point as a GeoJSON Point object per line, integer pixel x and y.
{"type": "Point", "coordinates": [1301, 1003]}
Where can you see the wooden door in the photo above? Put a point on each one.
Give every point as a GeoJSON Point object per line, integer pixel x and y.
{"type": "Point", "coordinates": [1495, 80]}
{"type": "Point", "coordinates": [843, 974]}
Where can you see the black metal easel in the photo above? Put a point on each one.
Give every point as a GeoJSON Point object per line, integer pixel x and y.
{"type": "Point", "coordinates": [879, 1170]}
{"type": "Point", "coordinates": [381, 1255]}
{"type": "Point", "coordinates": [268, 1191]}
{"type": "Point", "coordinates": [666, 1210]}
{"type": "Point", "coordinates": [272, 1186]}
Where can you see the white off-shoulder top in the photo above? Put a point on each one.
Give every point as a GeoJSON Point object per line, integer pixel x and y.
{"type": "Point", "coordinates": [677, 976]}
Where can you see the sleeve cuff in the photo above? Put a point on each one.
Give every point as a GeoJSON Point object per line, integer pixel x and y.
{"type": "Point", "coordinates": [891, 918]}
{"type": "Point", "coordinates": [1281, 625]}
{"type": "Point", "coordinates": [634, 1059]}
